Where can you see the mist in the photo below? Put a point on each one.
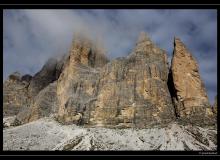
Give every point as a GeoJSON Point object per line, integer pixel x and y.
{"type": "Point", "coordinates": [31, 37]}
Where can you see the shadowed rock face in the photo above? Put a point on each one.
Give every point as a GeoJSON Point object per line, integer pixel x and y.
{"type": "Point", "coordinates": [43, 105]}
{"type": "Point", "coordinates": [43, 77]}
{"type": "Point", "coordinates": [189, 95]}
{"type": "Point", "coordinates": [30, 97]}
{"type": "Point", "coordinates": [26, 78]}
{"type": "Point", "coordinates": [126, 92]}
{"type": "Point", "coordinates": [215, 106]}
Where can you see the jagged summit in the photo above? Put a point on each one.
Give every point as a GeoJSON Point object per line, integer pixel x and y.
{"type": "Point", "coordinates": [176, 40]}
{"type": "Point", "coordinates": [145, 47]}
{"type": "Point", "coordinates": [143, 38]}
{"type": "Point", "coordinates": [143, 43]}
{"type": "Point", "coordinates": [86, 51]}
{"type": "Point", "coordinates": [181, 50]}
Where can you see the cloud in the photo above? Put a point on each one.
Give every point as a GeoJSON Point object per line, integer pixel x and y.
{"type": "Point", "coordinates": [30, 37]}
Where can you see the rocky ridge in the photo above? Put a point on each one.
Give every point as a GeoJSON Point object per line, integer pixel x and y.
{"type": "Point", "coordinates": [137, 91]}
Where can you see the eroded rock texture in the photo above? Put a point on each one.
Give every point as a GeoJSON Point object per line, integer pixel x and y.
{"type": "Point", "coordinates": [138, 91]}
{"type": "Point", "coordinates": [126, 92]}
{"type": "Point", "coordinates": [78, 80]}
{"type": "Point", "coordinates": [43, 105]}
{"type": "Point", "coordinates": [188, 91]}
{"type": "Point", "coordinates": [31, 98]}
{"type": "Point", "coordinates": [15, 94]}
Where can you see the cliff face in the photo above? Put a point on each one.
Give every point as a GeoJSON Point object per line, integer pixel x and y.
{"type": "Point", "coordinates": [76, 84]}
{"type": "Point", "coordinates": [139, 90]}
{"type": "Point", "coordinates": [15, 94]}
{"type": "Point", "coordinates": [126, 92]}
{"type": "Point", "coordinates": [189, 95]}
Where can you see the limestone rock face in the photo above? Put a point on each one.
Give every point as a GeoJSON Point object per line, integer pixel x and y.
{"type": "Point", "coordinates": [14, 94]}
{"type": "Point", "coordinates": [30, 98]}
{"type": "Point", "coordinates": [137, 91]}
{"type": "Point", "coordinates": [78, 78]}
{"type": "Point", "coordinates": [189, 93]}
{"type": "Point", "coordinates": [126, 92]}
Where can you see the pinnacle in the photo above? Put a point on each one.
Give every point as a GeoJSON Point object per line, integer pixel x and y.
{"type": "Point", "coordinates": [177, 40]}
{"type": "Point", "coordinates": [143, 37]}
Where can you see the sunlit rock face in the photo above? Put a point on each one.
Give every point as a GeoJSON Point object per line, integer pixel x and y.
{"type": "Point", "coordinates": [126, 92]}
{"type": "Point", "coordinates": [189, 93]}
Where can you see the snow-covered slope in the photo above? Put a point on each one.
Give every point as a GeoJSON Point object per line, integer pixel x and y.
{"type": "Point", "coordinates": [47, 134]}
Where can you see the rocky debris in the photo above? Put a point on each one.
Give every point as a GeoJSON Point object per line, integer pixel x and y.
{"type": "Point", "coordinates": [14, 94]}
{"type": "Point", "coordinates": [8, 121]}
{"type": "Point", "coordinates": [48, 134]}
{"type": "Point", "coordinates": [188, 90]}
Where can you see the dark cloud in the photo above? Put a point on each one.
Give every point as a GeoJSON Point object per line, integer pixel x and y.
{"type": "Point", "coordinates": [30, 37]}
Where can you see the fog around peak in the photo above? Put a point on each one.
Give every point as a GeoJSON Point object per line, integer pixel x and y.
{"type": "Point", "coordinates": [31, 37]}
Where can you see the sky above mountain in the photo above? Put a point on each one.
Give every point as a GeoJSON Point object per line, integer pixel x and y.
{"type": "Point", "coordinates": [30, 37]}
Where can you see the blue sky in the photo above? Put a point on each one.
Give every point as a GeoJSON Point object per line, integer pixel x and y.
{"type": "Point", "coordinates": [30, 37]}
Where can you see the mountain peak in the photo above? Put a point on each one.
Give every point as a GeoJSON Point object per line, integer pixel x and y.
{"type": "Point", "coordinates": [143, 38]}
{"type": "Point", "coordinates": [145, 46]}
{"type": "Point", "coordinates": [177, 41]}
{"type": "Point", "coordinates": [189, 87]}
{"type": "Point", "coordinates": [87, 51]}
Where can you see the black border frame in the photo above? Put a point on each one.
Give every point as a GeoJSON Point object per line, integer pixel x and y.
{"type": "Point", "coordinates": [211, 154]}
